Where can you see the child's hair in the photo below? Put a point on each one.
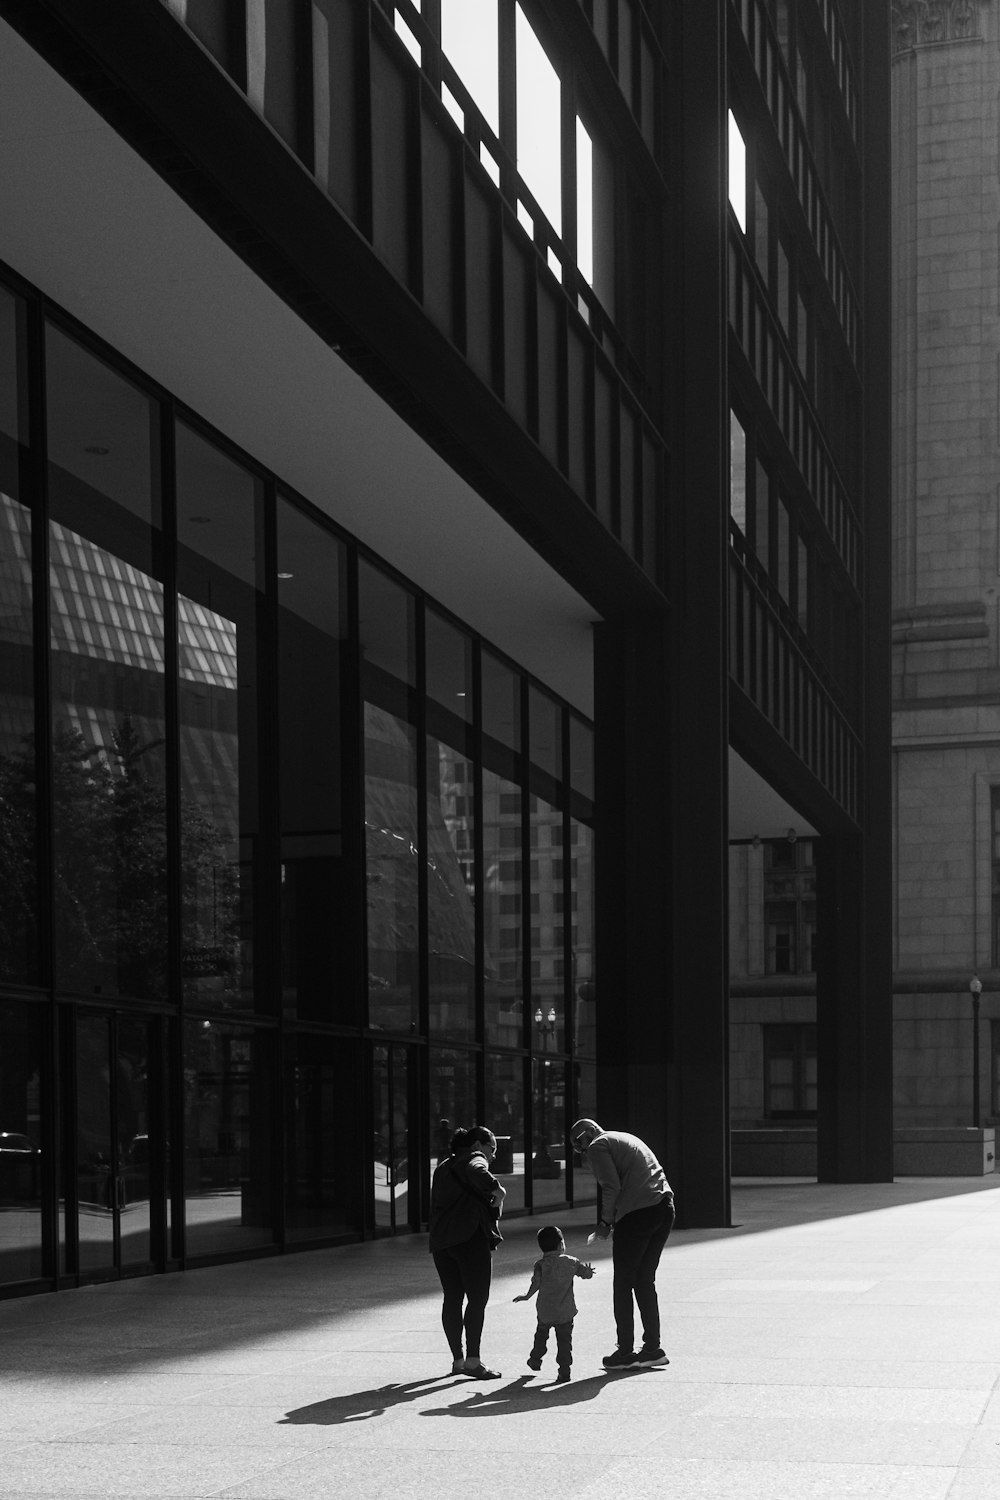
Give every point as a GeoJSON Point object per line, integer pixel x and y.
{"type": "Point", "coordinates": [549, 1237]}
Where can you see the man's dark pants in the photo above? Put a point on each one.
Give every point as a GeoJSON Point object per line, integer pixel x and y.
{"type": "Point", "coordinates": [638, 1243]}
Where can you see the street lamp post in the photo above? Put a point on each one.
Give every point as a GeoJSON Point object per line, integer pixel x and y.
{"type": "Point", "coordinates": [542, 1164]}
{"type": "Point", "coordinates": [975, 989]}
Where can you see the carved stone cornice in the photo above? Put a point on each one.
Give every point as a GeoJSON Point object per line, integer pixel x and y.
{"type": "Point", "coordinates": [924, 23]}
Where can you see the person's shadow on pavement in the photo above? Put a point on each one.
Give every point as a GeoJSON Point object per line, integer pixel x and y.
{"type": "Point", "coordinates": [520, 1395]}
{"type": "Point", "coordinates": [360, 1405]}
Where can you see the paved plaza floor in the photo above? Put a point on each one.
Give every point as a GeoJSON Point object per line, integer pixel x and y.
{"type": "Point", "coordinates": [837, 1342]}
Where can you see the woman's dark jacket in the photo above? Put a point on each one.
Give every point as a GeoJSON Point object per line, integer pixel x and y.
{"type": "Point", "coordinates": [461, 1190]}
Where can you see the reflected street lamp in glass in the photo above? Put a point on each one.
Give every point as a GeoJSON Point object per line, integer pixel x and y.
{"type": "Point", "coordinates": [975, 989]}
{"type": "Point", "coordinates": [542, 1164]}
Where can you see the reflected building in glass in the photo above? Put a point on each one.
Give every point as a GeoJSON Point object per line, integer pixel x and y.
{"type": "Point", "coordinates": [390, 650]}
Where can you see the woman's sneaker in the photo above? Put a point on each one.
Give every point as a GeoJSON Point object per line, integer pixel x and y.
{"type": "Point", "coordinates": [479, 1371]}
{"type": "Point", "coordinates": [622, 1359]}
{"type": "Point", "coordinates": [649, 1357]}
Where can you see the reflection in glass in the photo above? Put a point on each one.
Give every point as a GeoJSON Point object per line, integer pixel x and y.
{"type": "Point", "coordinates": [503, 875]}
{"type": "Point", "coordinates": [551, 913]}
{"type": "Point", "coordinates": [393, 842]}
{"type": "Point", "coordinates": [314, 882]}
{"type": "Point", "coordinates": [134, 1139]}
{"type": "Point", "coordinates": [385, 625]}
{"type": "Point", "coordinates": [452, 1098]}
{"type": "Point", "coordinates": [107, 665]}
{"type": "Point", "coordinates": [584, 1106]}
{"type": "Point", "coordinates": [228, 1135]}
{"type": "Point", "coordinates": [448, 655]}
{"type": "Point", "coordinates": [19, 957]}
{"type": "Point", "coordinates": [320, 1100]}
{"type": "Point", "coordinates": [97, 1183]}
{"type": "Point", "coordinates": [20, 1143]}
{"type": "Point", "coordinates": [545, 733]}
{"type": "Point", "coordinates": [548, 1156]}
{"type": "Point", "coordinates": [391, 1131]}
{"type": "Point", "coordinates": [583, 992]}
{"type": "Point", "coordinates": [501, 693]}
{"type": "Point", "coordinates": [451, 891]}
{"type": "Point", "coordinates": [219, 550]}
{"type": "Point", "coordinates": [504, 1114]}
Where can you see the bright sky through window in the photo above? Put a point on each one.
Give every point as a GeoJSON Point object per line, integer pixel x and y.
{"type": "Point", "coordinates": [469, 41]}
{"type": "Point", "coordinates": [584, 202]}
{"type": "Point", "coordinates": [737, 173]}
{"type": "Point", "coordinates": [539, 149]}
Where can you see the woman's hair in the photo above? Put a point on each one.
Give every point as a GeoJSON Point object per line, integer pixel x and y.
{"type": "Point", "coordinates": [475, 1135]}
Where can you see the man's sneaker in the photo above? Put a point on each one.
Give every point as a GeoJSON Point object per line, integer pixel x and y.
{"type": "Point", "coordinates": [649, 1357]}
{"type": "Point", "coordinates": [622, 1359]}
{"type": "Point", "coordinates": [534, 1362]}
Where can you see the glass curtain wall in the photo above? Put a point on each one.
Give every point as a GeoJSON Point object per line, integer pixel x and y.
{"type": "Point", "coordinates": [317, 876]}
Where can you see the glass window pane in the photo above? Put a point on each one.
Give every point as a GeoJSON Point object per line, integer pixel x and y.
{"type": "Point", "coordinates": [107, 665]}
{"type": "Point", "coordinates": [503, 928]}
{"type": "Point", "coordinates": [386, 628]}
{"type": "Point", "coordinates": [20, 1142]}
{"type": "Point", "coordinates": [549, 919]}
{"type": "Point", "coordinates": [393, 848]}
{"type": "Point", "coordinates": [584, 202]}
{"type": "Point", "coordinates": [737, 473]}
{"type": "Point", "coordinates": [228, 1137]}
{"type": "Point", "coordinates": [449, 666]}
{"type": "Point", "coordinates": [392, 1175]}
{"type": "Point", "coordinates": [548, 1157]}
{"type": "Point", "coordinates": [545, 721]}
{"type": "Point", "coordinates": [469, 39]}
{"type": "Point", "coordinates": [584, 1106]}
{"type": "Point", "coordinates": [315, 930]}
{"type": "Point", "coordinates": [322, 1187]}
{"type": "Point", "coordinates": [581, 758]}
{"type": "Point", "coordinates": [539, 138]}
{"type": "Point", "coordinates": [219, 569]}
{"type": "Point", "coordinates": [451, 891]}
{"type": "Point", "coordinates": [504, 1114]}
{"type": "Point", "coordinates": [95, 1180]}
{"type": "Point", "coordinates": [737, 173]}
{"type": "Point", "coordinates": [452, 1099]}
{"type": "Point", "coordinates": [132, 1072]}
{"type": "Point", "coordinates": [19, 956]}
{"type": "Point", "coordinates": [501, 690]}
{"type": "Point", "coordinates": [584, 991]}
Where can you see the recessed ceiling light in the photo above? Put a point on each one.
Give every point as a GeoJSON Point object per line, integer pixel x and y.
{"type": "Point", "coordinates": [286, 575]}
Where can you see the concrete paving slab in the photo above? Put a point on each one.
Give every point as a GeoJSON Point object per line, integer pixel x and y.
{"type": "Point", "coordinates": [838, 1342]}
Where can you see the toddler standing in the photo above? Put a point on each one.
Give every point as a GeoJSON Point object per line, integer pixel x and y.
{"type": "Point", "coordinates": [552, 1278]}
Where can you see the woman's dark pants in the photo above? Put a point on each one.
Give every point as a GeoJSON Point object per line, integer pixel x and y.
{"type": "Point", "coordinates": [465, 1271]}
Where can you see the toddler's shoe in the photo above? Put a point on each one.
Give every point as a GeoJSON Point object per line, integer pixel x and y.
{"type": "Point", "coordinates": [534, 1362]}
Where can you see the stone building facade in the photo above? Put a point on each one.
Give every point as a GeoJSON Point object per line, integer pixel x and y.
{"type": "Point", "coordinates": [946, 572]}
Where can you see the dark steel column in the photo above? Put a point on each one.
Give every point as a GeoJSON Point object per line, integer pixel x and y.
{"type": "Point", "coordinates": [634, 869]}
{"type": "Point", "coordinates": [698, 1155]}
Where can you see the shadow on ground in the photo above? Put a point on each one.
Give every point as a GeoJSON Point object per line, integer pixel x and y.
{"type": "Point", "coordinates": [520, 1395]}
